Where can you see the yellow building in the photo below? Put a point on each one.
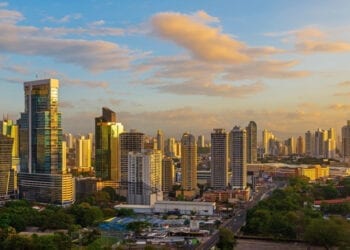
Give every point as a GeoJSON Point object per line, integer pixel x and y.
{"type": "Point", "coordinates": [313, 172]}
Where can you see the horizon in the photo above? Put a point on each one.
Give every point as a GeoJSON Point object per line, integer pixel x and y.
{"type": "Point", "coordinates": [185, 66]}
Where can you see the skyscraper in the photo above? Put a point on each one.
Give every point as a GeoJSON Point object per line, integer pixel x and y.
{"type": "Point", "coordinates": [219, 159]}
{"type": "Point", "coordinates": [188, 162]}
{"type": "Point", "coordinates": [168, 174]}
{"type": "Point", "coordinates": [8, 175]}
{"type": "Point", "coordinates": [42, 177]}
{"type": "Point", "coordinates": [200, 141]}
{"type": "Point", "coordinates": [83, 154]}
{"type": "Point", "coordinates": [320, 138]}
{"type": "Point", "coordinates": [252, 142]}
{"type": "Point", "coordinates": [160, 141]}
{"type": "Point", "coordinates": [238, 140]}
{"type": "Point", "coordinates": [107, 157]}
{"type": "Point", "coordinates": [144, 177]}
{"type": "Point", "coordinates": [300, 147]}
{"type": "Point", "coordinates": [345, 134]}
{"type": "Point", "coordinates": [309, 143]}
{"type": "Point", "coordinates": [132, 141]}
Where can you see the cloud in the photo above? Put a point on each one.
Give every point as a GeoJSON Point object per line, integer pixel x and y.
{"type": "Point", "coordinates": [94, 55]}
{"type": "Point", "coordinates": [64, 19]}
{"type": "Point", "coordinates": [19, 69]}
{"type": "Point", "coordinates": [342, 94]}
{"type": "Point", "coordinates": [344, 84]}
{"type": "Point", "coordinates": [10, 16]}
{"type": "Point", "coordinates": [312, 46]}
{"type": "Point", "coordinates": [204, 42]}
{"type": "Point", "coordinates": [340, 107]}
{"type": "Point", "coordinates": [98, 23]}
{"type": "Point", "coordinates": [84, 83]}
{"type": "Point", "coordinates": [3, 4]}
{"type": "Point", "coordinates": [210, 89]}
{"type": "Point", "coordinates": [65, 104]}
{"type": "Point", "coordinates": [312, 40]}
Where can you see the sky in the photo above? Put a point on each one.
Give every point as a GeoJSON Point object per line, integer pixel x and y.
{"type": "Point", "coordinates": [182, 65]}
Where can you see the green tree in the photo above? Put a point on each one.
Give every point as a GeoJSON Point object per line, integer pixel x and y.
{"type": "Point", "coordinates": [138, 226]}
{"type": "Point", "coordinates": [328, 233]}
{"type": "Point", "coordinates": [227, 239]}
{"type": "Point", "coordinates": [15, 242]}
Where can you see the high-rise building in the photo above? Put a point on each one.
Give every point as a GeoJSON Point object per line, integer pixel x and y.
{"type": "Point", "coordinates": [170, 147]}
{"type": "Point", "coordinates": [83, 154]}
{"type": "Point", "coordinates": [219, 159]}
{"type": "Point", "coordinates": [160, 141]}
{"type": "Point", "coordinates": [132, 141]}
{"type": "Point", "coordinates": [42, 177]}
{"type": "Point", "coordinates": [291, 145]}
{"type": "Point", "coordinates": [107, 131]}
{"type": "Point", "coordinates": [144, 177]}
{"type": "Point", "coordinates": [168, 174]}
{"type": "Point", "coordinates": [252, 142]}
{"type": "Point", "coordinates": [309, 143]}
{"type": "Point", "coordinates": [300, 147]}
{"type": "Point", "coordinates": [268, 142]}
{"type": "Point", "coordinates": [320, 137]}
{"type": "Point", "coordinates": [200, 141]}
{"type": "Point", "coordinates": [330, 144]}
{"type": "Point", "coordinates": [8, 174]}
{"type": "Point", "coordinates": [188, 162]}
{"type": "Point", "coordinates": [345, 134]}
{"type": "Point", "coordinates": [238, 141]}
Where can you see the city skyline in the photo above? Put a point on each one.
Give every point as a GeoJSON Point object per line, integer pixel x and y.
{"type": "Point", "coordinates": [210, 66]}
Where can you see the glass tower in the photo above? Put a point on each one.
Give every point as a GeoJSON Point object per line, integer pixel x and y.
{"type": "Point", "coordinates": [42, 176]}
{"type": "Point", "coordinates": [107, 157]}
{"type": "Point", "coordinates": [40, 128]}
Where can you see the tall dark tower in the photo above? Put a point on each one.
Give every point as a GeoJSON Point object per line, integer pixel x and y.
{"type": "Point", "coordinates": [252, 140]}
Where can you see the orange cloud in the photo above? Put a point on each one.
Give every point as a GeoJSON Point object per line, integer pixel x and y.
{"type": "Point", "coordinates": [340, 107]}
{"type": "Point", "coordinates": [204, 42]}
{"type": "Point", "coordinates": [311, 46]}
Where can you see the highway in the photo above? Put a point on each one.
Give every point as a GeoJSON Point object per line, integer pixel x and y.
{"type": "Point", "coordinates": [236, 222]}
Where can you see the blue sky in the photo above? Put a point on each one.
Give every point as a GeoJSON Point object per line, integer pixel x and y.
{"type": "Point", "coordinates": [182, 65]}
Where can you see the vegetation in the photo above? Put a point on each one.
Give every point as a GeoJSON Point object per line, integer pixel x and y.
{"type": "Point", "coordinates": [288, 214]}
{"type": "Point", "coordinates": [138, 226]}
{"type": "Point", "coordinates": [227, 239]}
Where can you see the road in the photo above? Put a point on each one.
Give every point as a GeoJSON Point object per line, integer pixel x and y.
{"type": "Point", "coordinates": [235, 223]}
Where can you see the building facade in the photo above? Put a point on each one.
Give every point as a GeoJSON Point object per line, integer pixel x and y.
{"type": "Point", "coordinates": [107, 155]}
{"type": "Point", "coordinates": [238, 139]}
{"type": "Point", "coordinates": [131, 141]}
{"type": "Point", "coordinates": [42, 171]}
{"type": "Point", "coordinates": [188, 162]}
{"type": "Point", "coordinates": [168, 174]}
{"type": "Point", "coordinates": [252, 142]}
{"type": "Point", "coordinates": [144, 177]}
{"type": "Point", "coordinates": [219, 159]}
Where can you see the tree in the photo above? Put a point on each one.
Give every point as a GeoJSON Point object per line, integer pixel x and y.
{"type": "Point", "coordinates": [138, 226]}
{"type": "Point", "coordinates": [111, 192]}
{"type": "Point", "coordinates": [227, 239]}
{"type": "Point", "coordinates": [125, 212]}
{"type": "Point", "coordinates": [328, 233]}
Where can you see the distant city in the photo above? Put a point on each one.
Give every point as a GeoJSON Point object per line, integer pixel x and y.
{"type": "Point", "coordinates": [141, 167]}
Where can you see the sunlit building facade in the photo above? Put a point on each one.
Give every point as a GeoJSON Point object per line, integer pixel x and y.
{"type": "Point", "coordinates": [144, 177]}
{"type": "Point", "coordinates": [42, 172]}
{"type": "Point", "coordinates": [107, 154]}
{"type": "Point", "coordinates": [188, 162]}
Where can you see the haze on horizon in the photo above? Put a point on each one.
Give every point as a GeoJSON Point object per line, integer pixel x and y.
{"type": "Point", "coordinates": [182, 66]}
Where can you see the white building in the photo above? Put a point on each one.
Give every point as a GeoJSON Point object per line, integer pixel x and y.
{"type": "Point", "coordinates": [144, 177]}
{"type": "Point", "coordinates": [185, 207]}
